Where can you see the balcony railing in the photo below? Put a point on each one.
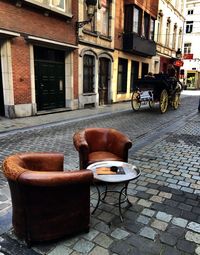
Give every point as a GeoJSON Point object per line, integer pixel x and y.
{"type": "Point", "coordinates": [138, 45]}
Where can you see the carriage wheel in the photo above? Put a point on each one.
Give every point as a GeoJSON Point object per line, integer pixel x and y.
{"type": "Point", "coordinates": [176, 101]}
{"type": "Point", "coordinates": [135, 103]}
{"type": "Point", "coordinates": [163, 101]}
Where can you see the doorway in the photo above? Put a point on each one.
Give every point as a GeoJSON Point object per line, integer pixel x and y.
{"type": "Point", "coordinates": [104, 77]}
{"type": "Point", "coordinates": [49, 78]}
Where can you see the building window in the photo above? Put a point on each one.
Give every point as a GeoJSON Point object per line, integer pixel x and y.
{"type": "Point", "coordinates": [55, 5]}
{"type": "Point", "coordinates": [145, 27]}
{"type": "Point", "coordinates": [174, 37]}
{"type": "Point", "coordinates": [159, 28]}
{"type": "Point", "coordinates": [88, 73]}
{"type": "Point", "coordinates": [145, 69]}
{"type": "Point", "coordinates": [190, 12]}
{"type": "Point", "coordinates": [134, 74]}
{"type": "Point", "coordinates": [136, 20]}
{"type": "Point", "coordinates": [187, 48]}
{"type": "Point", "coordinates": [167, 32]}
{"type": "Point", "coordinates": [105, 13]}
{"type": "Point", "coordinates": [152, 28]}
{"type": "Point", "coordinates": [122, 76]}
{"type": "Point", "coordinates": [180, 37]}
{"type": "Point", "coordinates": [133, 18]}
{"type": "Point", "coordinates": [189, 26]}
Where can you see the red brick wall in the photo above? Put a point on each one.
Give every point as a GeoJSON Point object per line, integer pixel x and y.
{"type": "Point", "coordinates": [32, 21]}
{"type": "Point", "coordinates": [150, 6]}
{"type": "Point", "coordinates": [21, 71]}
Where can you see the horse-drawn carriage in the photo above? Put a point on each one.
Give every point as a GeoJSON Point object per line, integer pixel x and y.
{"type": "Point", "coordinates": [158, 88]}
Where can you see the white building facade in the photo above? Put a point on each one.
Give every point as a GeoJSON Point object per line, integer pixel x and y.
{"type": "Point", "coordinates": [168, 34]}
{"type": "Point", "coordinates": [191, 49]}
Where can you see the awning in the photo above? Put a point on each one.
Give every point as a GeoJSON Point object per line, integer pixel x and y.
{"type": "Point", "coordinates": [50, 43]}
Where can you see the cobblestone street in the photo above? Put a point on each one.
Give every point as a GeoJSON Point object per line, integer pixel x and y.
{"type": "Point", "coordinates": [164, 218]}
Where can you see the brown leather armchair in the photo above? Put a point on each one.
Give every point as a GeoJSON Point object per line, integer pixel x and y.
{"type": "Point", "coordinates": [100, 144]}
{"type": "Point", "coordinates": [48, 202]}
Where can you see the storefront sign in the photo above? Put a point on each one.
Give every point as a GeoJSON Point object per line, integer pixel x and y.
{"type": "Point", "coordinates": [178, 63]}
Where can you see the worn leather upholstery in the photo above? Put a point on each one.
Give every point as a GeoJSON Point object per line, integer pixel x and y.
{"type": "Point", "coordinates": [100, 144]}
{"type": "Point", "coordinates": [48, 202]}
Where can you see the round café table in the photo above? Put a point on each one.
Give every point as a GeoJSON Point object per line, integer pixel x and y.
{"type": "Point", "coordinates": [123, 174]}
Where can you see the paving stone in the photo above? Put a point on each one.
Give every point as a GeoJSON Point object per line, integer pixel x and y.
{"type": "Point", "coordinates": [119, 233]}
{"type": "Point", "coordinates": [165, 194]}
{"type": "Point", "coordinates": [61, 250]}
{"type": "Point", "coordinates": [148, 232]}
{"type": "Point", "coordinates": [163, 216]}
{"type": "Point", "coordinates": [176, 231]}
{"type": "Point", "coordinates": [174, 186]}
{"type": "Point", "coordinates": [159, 225]}
{"type": "Point", "coordinates": [105, 216]}
{"type": "Point", "coordinates": [197, 251]}
{"type": "Point", "coordinates": [144, 245]}
{"type": "Point", "coordinates": [171, 203]}
{"type": "Point", "coordinates": [168, 238]}
{"type": "Point", "coordinates": [193, 237]}
{"type": "Point", "coordinates": [132, 226]}
{"type": "Point", "coordinates": [185, 207]}
{"type": "Point", "coordinates": [123, 248]}
{"type": "Point", "coordinates": [190, 216]}
{"type": "Point", "coordinates": [91, 235]}
{"type": "Point", "coordinates": [189, 190]}
{"type": "Point", "coordinates": [173, 211]}
{"type": "Point", "coordinates": [186, 246]}
{"type": "Point", "coordinates": [171, 251]}
{"type": "Point", "coordinates": [99, 251]}
{"type": "Point", "coordinates": [179, 222]}
{"type": "Point", "coordinates": [194, 226]}
{"type": "Point", "coordinates": [83, 246]}
{"type": "Point", "coordinates": [157, 199]}
{"type": "Point", "coordinates": [192, 202]}
{"type": "Point", "coordinates": [103, 240]}
{"type": "Point", "coordinates": [143, 219]}
{"type": "Point", "coordinates": [103, 227]}
{"type": "Point", "coordinates": [144, 203]}
{"type": "Point", "coordinates": [148, 212]}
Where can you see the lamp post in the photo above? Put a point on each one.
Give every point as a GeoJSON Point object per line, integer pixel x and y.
{"type": "Point", "coordinates": [90, 13]}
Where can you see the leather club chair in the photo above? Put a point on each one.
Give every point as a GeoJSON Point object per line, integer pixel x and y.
{"type": "Point", "coordinates": [100, 144]}
{"type": "Point", "coordinates": [47, 202]}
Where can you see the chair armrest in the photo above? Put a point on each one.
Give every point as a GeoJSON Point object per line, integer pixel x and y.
{"type": "Point", "coordinates": [52, 179]}
{"type": "Point", "coordinates": [80, 142]}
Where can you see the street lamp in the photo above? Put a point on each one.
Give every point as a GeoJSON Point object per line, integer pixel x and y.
{"type": "Point", "coordinates": [90, 12]}
{"type": "Point", "coordinates": [178, 53]}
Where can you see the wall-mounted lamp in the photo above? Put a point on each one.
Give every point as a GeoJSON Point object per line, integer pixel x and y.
{"type": "Point", "coordinates": [90, 13]}
{"type": "Point", "coordinates": [178, 53]}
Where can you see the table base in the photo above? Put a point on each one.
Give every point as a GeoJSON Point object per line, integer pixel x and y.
{"type": "Point", "coordinates": [123, 197]}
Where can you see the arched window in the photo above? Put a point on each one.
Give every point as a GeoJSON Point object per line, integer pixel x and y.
{"type": "Point", "coordinates": [88, 73]}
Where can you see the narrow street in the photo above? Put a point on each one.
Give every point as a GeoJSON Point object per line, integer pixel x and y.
{"type": "Point", "coordinates": [164, 218]}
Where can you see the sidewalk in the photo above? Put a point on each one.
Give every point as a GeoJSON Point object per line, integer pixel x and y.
{"type": "Point", "coordinates": [60, 117]}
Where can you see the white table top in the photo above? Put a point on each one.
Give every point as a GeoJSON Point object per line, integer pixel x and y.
{"type": "Point", "coordinates": [131, 171]}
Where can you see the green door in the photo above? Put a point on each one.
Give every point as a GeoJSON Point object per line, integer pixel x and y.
{"type": "Point", "coordinates": [49, 78]}
{"type": "Point", "coordinates": [2, 110]}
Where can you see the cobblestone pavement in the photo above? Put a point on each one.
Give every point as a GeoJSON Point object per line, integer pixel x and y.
{"type": "Point", "coordinates": [164, 217]}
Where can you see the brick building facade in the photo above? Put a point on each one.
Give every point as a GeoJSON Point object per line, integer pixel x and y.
{"type": "Point", "coordinates": [38, 53]}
